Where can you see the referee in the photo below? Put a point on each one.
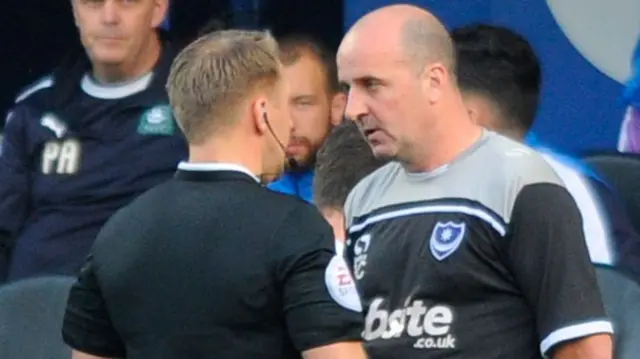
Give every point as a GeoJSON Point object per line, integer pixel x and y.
{"type": "Point", "coordinates": [467, 245]}
{"type": "Point", "coordinates": [211, 264]}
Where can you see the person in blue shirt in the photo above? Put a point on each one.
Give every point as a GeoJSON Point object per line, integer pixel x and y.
{"type": "Point", "coordinates": [629, 140]}
{"type": "Point", "coordinates": [316, 105]}
{"type": "Point", "coordinates": [500, 79]}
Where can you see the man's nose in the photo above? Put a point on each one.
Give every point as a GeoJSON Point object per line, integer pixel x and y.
{"type": "Point", "coordinates": [295, 117]}
{"type": "Point", "coordinates": [290, 122]}
{"type": "Point", "coordinates": [110, 12]}
{"type": "Point", "coordinates": [355, 107]}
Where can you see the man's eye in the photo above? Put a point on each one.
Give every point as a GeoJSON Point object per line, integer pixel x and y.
{"type": "Point", "coordinates": [371, 85]}
{"type": "Point", "coordinates": [303, 102]}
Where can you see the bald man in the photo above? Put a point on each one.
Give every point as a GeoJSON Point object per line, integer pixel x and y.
{"type": "Point", "coordinates": [466, 245]}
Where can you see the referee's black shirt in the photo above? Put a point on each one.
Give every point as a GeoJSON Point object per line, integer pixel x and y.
{"type": "Point", "coordinates": [212, 265]}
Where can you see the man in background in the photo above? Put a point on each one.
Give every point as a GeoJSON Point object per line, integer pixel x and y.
{"type": "Point", "coordinates": [344, 159]}
{"type": "Point", "coordinates": [316, 105]}
{"type": "Point", "coordinates": [87, 139]}
{"type": "Point", "coordinates": [500, 77]}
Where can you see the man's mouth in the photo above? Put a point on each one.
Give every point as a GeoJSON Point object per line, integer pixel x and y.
{"type": "Point", "coordinates": [295, 145]}
{"type": "Point", "coordinates": [370, 132]}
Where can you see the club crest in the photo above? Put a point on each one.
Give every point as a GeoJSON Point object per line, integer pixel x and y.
{"type": "Point", "coordinates": [157, 121]}
{"type": "Point", "coordinates": [446, 238]}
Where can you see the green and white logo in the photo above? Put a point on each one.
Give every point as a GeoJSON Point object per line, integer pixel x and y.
{"type": "Point", "coordinates": [157, 120]}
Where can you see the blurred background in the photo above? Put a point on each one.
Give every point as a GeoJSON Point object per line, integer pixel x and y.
{"type": "Point", "coordinates": [585, 46]}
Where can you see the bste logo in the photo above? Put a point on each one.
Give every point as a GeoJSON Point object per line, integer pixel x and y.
{"type": "Point", "coordinates": [431, 326]}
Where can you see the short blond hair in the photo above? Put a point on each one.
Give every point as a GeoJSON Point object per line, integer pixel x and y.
{"type": "Point", "coordinates": [213, 76]}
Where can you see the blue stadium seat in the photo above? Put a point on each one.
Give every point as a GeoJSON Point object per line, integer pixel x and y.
{"type": "Point", "coordinates": [31, 313]}
{"type": "Point", "coordinates": [621, 297]}
{"type": "Point", "coordinates": [622, 171]}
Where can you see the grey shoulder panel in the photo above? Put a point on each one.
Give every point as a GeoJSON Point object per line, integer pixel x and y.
{"type": "Point", "coordinates": [488, 176]}
{"type": "Point", "coordinates": [364, 197]}
{"type": "Point", "coordinates": [510, 166]}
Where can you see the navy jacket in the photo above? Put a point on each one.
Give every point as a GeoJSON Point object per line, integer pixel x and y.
{"type": "Point", "coordinates": [65, 169]}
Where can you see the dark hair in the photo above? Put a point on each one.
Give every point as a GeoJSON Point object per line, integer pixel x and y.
{"type": "Point", "coordinates": [293, 47]}
{"type": "Point", "coordinates": [217, 23]}
{"type": "Point", "coordinates": [344, 159]}
{"type": "Point", "coordinates": [499, 63]}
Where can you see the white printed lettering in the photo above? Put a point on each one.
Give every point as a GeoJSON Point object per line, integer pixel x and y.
{"type": "Point", "coordinates": [431, 325]}
{"type": "Point", "coordinates": [61, 157]}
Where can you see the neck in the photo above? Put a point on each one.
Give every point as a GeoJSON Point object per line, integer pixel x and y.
{"type": "Point", "coordinates": [228, 149]}
{"type": "Point", "coordinates": [448, 139]}
{"type": "Point", "coordinates": [141, 63]}
{"type": "Point", "coordinates": [336, 220]}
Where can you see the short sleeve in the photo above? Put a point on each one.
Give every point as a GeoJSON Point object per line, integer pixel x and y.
{"type": "Point", "coordinates": [320, 301]}
{"type": "Point", "coordinates": [87, 326]}
{"type": "Point", "coordinates": [547, 252]}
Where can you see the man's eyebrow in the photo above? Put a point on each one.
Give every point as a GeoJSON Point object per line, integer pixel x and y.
{"type": "Point", "coordinates": [364, 79]}
{"type": "Point", "coordinates": [303, 97]}
{"type": "Point", "coordinates": [367, 78]}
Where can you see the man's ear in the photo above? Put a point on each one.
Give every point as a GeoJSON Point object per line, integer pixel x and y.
{"type": "Point", "coordinates": [160, 11]}
{"type": "Point", "coordinates": [482, 111]}
{"type": "Point", "coordinates": [338, 103]}
{"type": "Point", "coordinates": [474, 114]}
{"type": "Point", "coordinates": [474, 109]}
{"type": "Point", "coordinates": [260, 115]}
{"type": "Point", "coordinates": [434, 78]}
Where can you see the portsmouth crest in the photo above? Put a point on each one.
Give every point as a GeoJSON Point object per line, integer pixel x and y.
{"type": "Point", "coordinates": [446, 238]}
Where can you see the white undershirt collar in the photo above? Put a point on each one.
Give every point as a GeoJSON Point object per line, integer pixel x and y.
{"type": "Point", "coordinates": [115, 91]}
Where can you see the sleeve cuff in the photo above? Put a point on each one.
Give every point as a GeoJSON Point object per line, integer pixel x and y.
{"type": "Point", "coordinates": [575, 331]}
{"type": "Point", "coordinates": [318, 340]}
{"type": "Point", "coordinates": [78, 335]}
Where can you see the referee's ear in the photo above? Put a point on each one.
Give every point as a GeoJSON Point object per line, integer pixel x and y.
{"type": "Point", "coordinates": [260, 115]}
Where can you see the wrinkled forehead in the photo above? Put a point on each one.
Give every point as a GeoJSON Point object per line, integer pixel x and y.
{"type": "Point", "coordinates": [367, 58]}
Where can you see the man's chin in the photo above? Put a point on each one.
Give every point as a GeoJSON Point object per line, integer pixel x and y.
{"type": "Point", "coordinates": [302, 164]}
{"type": "Point", "coordinates": [384, 152]}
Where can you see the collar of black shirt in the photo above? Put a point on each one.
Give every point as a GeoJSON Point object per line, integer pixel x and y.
{"type": "Point", "coordinates": [214, 172]}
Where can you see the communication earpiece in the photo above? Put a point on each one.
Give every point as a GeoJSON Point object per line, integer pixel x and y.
{"type": "Point", "coordinates": [291, 161]}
